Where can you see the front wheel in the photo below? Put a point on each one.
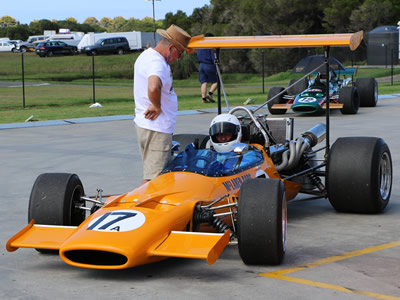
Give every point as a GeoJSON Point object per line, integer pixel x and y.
{"type": "Point", "coordinates": [273, 92]}
{"type": "Point", "coordinates": [120, 51]}
{"type": "Point", "coordinates": [262, 221]}
{"type": "Point", "coordinates": [55, 199]}
{"type": "Point", "coordinates": [359, 175]}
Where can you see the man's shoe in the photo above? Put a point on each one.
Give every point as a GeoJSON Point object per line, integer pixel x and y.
{"type": "Point", "coordinates": [209, 98]}
{"type": "Point", "coordinates": [205, 100]}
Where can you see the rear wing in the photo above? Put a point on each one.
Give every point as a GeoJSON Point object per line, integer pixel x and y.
{"type": "Point", "coordinates": [347, 71]}
{"type": "Point", "coordinates": [351, 40]}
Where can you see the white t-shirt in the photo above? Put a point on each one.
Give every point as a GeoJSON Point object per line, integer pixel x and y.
{"type": "Point", "coordinates": [149, 63]}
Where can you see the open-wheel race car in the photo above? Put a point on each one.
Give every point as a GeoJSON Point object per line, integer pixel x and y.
{"type": "Point", "coordinates": [309, 94]}
{"type": "Point", "coordinates": [204, 199]}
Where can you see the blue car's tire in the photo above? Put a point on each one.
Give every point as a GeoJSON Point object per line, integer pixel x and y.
{"type": "Point", "coordinates": [278, 100]}
{"type": "Point", "coordinates": [359, 175]}
{"type": "Point", "coordinates": [368, 91]}
{"type": "Point", "coordinates": [262, 221]}
{"type": "Point", "coordinates": [350, 99]}
{"type": "Point", "coordinates": [299, 87]}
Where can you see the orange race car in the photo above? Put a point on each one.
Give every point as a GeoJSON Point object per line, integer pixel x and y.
{"type": "Point", "coordinates": [204, 199]}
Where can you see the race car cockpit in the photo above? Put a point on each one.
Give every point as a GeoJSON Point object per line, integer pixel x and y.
{"type": "Point", "coordinates": [208, 162]}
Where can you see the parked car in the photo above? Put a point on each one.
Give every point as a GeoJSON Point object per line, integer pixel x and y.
{"type": "Point", "coordinates": [51, 48]}
{"type": "Point", "coordinates": [6, 46]}
{"type": "Point", "coordinates": [31, 43]}
{"type": "Point", "coordinates": [117, 45]}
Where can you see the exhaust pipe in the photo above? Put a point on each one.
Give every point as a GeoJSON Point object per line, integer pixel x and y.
{"type": "Point", "coordinates": [316, 134]}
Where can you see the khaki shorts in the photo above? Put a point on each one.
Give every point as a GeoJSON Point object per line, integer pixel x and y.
{"type": "Point", "coordinates": [155, 148]}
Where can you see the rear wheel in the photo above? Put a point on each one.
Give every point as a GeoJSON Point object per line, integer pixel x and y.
{"type": "Point", "coordinates": [49, 54]}
{"type": "Point", "coordinates": [359, 175]}
{"type": "Point", "coordinates": [299, 87]}
{"type": "Point", "coordinates": [350, 99]}
{"type": "Point", "coordinates": [368, 91]}
{"type": "Point", "coordinates": [120, 51]}
{"type": "Point", "coordinates": [262, 221]}
{"type": "Point", "coordinates": [278, 100]}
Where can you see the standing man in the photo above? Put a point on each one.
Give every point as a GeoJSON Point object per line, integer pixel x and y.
{"type": "Point", "coordinates": [207, 72]}
{"type": "Point", "coordinates": [156, 103]}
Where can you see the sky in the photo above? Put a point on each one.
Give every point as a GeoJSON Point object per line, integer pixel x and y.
{"type": "Point", "coordinates": [26, 11]}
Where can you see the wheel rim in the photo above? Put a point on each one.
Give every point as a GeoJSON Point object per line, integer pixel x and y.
{"type": "Point", "coordinates": [284, 222]}
{"type": "Point", "coordinates": [385, 176]}
{"type": "Point", "coordinates": [76, 214]}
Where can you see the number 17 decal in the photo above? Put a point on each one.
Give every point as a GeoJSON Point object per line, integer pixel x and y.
{"type": "Point", "coordinates": [118, 221]}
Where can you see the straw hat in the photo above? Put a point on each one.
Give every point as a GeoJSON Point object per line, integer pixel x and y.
{"type": "Point", "coordinates": [177, 36]}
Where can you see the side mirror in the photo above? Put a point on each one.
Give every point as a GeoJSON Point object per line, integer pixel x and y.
{"type": "Point", "coordinates": [175, 148]}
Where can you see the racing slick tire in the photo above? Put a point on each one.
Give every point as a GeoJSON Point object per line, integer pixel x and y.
{"type": "Point", "coordinates": [368, 91]}
{"type": "Point", "coordinates": [185, 139]}
{"type": "Point", "coordinates": [299, 87]}
{"type": "Point", "coordinates": [262, 221]}
{"type": "Point", "coordinates": [278, 100]}
{"type": "Point", "coordinates": [54, 200]}
{"type": "Point", "coordinates": [359, 175]}
{"type": "Point", "coordinates": [350, 99]}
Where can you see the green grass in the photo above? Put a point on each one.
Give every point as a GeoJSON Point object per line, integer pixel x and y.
{"type": "Point", "coordinates": [73, 94]}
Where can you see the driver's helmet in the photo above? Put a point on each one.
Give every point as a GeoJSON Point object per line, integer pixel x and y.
{"type": "Point", "coordinates": [225, 131]}
{"type": "Point", "coordinates": [323, 77]}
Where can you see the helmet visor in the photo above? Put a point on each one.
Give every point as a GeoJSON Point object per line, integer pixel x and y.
{"type": "Point", "coordinates": [223, 127]}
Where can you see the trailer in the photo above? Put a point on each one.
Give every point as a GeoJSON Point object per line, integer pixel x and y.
{"type": "Point", "coordinates": [137, 40]}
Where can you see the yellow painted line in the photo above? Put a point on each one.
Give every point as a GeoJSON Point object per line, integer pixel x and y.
{"type": "Point", "coordinates": [281, 274]}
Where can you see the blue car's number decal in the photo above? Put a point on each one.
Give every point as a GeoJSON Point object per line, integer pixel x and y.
{"type": "Point", "coordinates": [307, 100]}
{"type": "Point", "coordinates": [118, 221]}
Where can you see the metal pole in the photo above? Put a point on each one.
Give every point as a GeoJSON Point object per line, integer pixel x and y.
{"type": "Point", "coordinates": [327, 102]}
{"type": "Point", "coordinates": [392, 63]}
{"type": "Point", "coordinates": [263, 72]}
{"type": "Point", "coordinates": [219, 80]}
{"type": "Point", "coordinates": [94, 93]}
{"type": "Point", "coordinates": [23, 79]}
{"type": "Point", "coordinates": [154, 25]}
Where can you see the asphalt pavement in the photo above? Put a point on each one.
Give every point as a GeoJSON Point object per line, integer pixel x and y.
{"type": "Point", "coordinates": [329, 255]}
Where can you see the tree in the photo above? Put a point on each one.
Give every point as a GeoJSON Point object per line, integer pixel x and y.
{"type": "Point", "coordinates": [71, 19]}
{"type": "Point", "coordinates": [337, 14]}
{"type": "Point", "coordinates": [8, 21]}
{"type": "Point", "coordinates": [118, 23]}
{"type": "Point", "coordinates": [38, 27]}
{"type": "Point", "coordinates": [106, 23]}
{"type": "Point", "coordinates": [91, 21]}
{"type": "Point", "coordinates": [371, 14]}
{"type": "Point", "coordinates": [180, 19]}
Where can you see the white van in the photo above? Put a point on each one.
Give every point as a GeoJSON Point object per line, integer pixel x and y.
{"type": "Point", "coordinates": [6, 46]}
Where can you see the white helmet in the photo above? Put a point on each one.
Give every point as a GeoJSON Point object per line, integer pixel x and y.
{"type": "Point", "coordinates": [225, 123]}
